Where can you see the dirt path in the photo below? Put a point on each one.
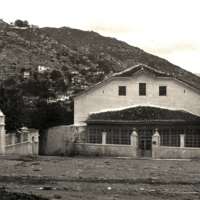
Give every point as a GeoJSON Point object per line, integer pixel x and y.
{"type": "Point", "coordinates": [101, 178]}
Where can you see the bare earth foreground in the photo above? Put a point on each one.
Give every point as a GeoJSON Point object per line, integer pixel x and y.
{"type": "Point", "coordinates": [98, 178]}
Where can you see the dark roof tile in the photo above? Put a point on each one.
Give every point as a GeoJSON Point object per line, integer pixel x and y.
{"type": "Point", "coordinates": [144, 114]}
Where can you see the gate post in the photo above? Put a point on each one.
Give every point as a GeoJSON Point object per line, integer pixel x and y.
{"type": "Point", "coordinates": [155, 142]}
{"type": "Point", "coordinates": [2, 133]}
{"type": "Point", "coordinates": [134, 142]}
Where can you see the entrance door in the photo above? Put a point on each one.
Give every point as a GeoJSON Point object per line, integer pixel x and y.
{"type": "Point", "coordinates": [145, 142]}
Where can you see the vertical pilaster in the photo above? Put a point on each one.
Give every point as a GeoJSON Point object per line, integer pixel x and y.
{"type": "Point", "coordinates": [36, 143]}
{"type": "Point", "coordinates": [104, 137]}
{"type": "Point", "coordinates": [134, 142]}
{"type": "Point", "coordinates": [182, 140]}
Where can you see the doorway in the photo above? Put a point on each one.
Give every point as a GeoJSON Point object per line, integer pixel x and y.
{"type": "Point", "coordinates": [145, 142]}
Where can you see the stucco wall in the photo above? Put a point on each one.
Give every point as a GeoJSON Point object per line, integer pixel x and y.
{"type": "Point", "coordinates": [24, 148]}
{"type": "Point", "coordinates": [56, 141]}
{"type": "Point", "coordinates": [104, 150]}
{"type": "Point", "coordinates": [28, 147]}
{"type": "Point", "coordinates": [106, 96]}
{"type": "Point", "coordinates": [176, 153]}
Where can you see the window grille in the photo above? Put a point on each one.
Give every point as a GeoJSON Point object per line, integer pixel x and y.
{"type": "Point", "coordinates": [170, 137]}
{"type": "Point", "coordinates": [192, 138]}
{"type": "Point", "coordinates": [116, 136]}
{"type": "Point", "coordinates": [142, 89]}
{"type": "Point", "coordinates": [165, 138]}
{"type": "Point", "coordinates": [175, 138]}
{"type": "Point", "coordinates": [113, 136]}
{"type": "Point", "coordinates": [95, 136]}
{"type": "Point", "coordinates": [109, 136]}
{"type": "Point", "coordinates": [125, 136]}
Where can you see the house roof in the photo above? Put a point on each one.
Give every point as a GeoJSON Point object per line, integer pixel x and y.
{"type": "Point", "coordinates": [142, 67]}
{"type": "Point", "coordinates": [141, 114]}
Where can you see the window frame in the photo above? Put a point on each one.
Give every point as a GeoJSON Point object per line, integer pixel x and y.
{"type": "Point", "coordinates": [160, 90]}
{"type": "Point", "coordinates": [142, 90]}
{"type": "Point", "coordinates": [122, 92]}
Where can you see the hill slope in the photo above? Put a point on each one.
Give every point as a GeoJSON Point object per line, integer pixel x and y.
{"type": "Point", "coordinates": [93, 43]}
{"type": "Point", "coordinates": [67, 49]}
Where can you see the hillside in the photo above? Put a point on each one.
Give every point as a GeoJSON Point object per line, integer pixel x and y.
{"type": "Point", "coordinates": [95, 44]}
{"type": "Point", "coordinates": [74, 52]}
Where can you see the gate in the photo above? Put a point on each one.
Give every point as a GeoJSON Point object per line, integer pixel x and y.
{"type": "Point", "coordinates": [145, 142]}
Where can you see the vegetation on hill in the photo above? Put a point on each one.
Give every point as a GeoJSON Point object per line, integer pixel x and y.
{"type": "Point", "coordinates": [65, 49]}
{"type": "Point", "coordinates": [115, 54]}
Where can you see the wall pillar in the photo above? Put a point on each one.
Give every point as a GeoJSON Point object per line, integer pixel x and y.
{"type": "Point", "coordinates": [30, 146]}
{"type": "Point", "coordinates": [2, 133]}
{"type": "Point", "coordinates": [155, 142]}
{"type": "Point", "coordinates": [22, 137]}
{"type": "Point", "coordinates": [36, 144]}
{"type": "Point", "coordinates": [134, 142]}
{"type": "Point", "coordinates": [104, 137]}
{"type": "Point", "coordinates": [13, 138]}
{"type": "Point", "coordinates": [182, 140]}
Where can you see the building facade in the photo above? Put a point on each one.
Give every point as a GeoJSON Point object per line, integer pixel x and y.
{"type": "Point", "coordinates": [135, 103]}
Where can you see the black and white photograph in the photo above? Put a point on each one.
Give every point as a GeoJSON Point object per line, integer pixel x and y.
{"type": "Point", "coordinates": [99, 100]}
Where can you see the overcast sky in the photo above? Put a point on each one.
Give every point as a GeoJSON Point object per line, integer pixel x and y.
{"type": "Point", "coordinates": [167, 28]}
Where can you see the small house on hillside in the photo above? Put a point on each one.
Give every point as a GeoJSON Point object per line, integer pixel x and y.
{"type": "Point", "coordinates": [140, 111]}
{"type": "Point", "coordinates": [62, 96]}
{"type": "Point", "coordinates": [26, 74]}
{"type": "Point", "coordinates": [74, 72]}
{"type": "Point", "coordinates": [42, 68]}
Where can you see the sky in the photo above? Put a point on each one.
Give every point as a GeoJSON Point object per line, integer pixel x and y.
{"type": "Point", "coordinates": [166, 28]}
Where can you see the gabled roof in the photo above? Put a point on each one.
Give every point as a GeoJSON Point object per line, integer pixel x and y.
{"type": "Point", "coordinates": [136, 69]}
{"type": "Point", "coordinates": [141, 114]}
{"type": "Point", "coordinates": [141, 67]}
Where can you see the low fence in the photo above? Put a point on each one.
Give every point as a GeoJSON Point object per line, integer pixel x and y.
{"type": "Point", "coordinates": [104, 150]}
{"type": "Point", "coordinates": [25, 143]}
{"type": "Point", "coordinates": [165, 152]}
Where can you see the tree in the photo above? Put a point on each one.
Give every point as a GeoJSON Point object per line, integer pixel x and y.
{"type": "Point", "coordinates": [25, 23]}
{"type": "Point", "coordinates": [83, 72]}
{"type": "Point", "coordinates": [48, 115]}
{"type": "Point", "coordinates": [23, 69]}
{"type": "Point", "coordinates": [10, 82]}
{"type": "Point", "coordinates": [35, 75]}
{"type": "Point", "coordinates": [21, 23]}
{"type": "Point", "coordinates": [12, 105]}
{"type": "Point", "coordinates": [104, 65]}
{"type": "Point", "coordinates": [55, 74]}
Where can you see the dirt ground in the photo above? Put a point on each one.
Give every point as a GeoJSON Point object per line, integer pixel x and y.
{"type": "Point", "coordinates": [101, 177]}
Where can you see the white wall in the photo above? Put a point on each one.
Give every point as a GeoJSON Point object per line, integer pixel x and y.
{"type": "Point", "coordinates": [105, 96]}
